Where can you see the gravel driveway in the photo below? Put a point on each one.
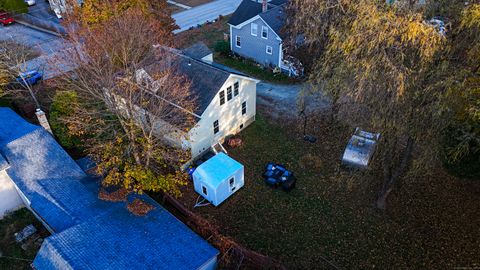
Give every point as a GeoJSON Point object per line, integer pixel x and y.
{"type": "Point", "coordinates": [282, 100]}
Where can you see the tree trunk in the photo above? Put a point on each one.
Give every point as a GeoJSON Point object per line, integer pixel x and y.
{"type": "Point", "coordinates": [389, 177]}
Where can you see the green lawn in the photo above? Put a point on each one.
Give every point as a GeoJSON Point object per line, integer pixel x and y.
{"type": "Point", "coordinates": [12, 255]}
{"type": "Point", "coordinates": [329, 216]}
{"type": "Point", "coordinates": [254, 70]}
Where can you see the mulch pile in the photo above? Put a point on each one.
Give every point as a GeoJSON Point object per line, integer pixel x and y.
{"type": "Point", "coordinates": [139, 207]}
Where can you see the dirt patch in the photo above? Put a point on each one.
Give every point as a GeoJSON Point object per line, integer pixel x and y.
{"type": "Point", "coordinates": [115, 196]}
{"type": "Point", "coordinates": [139, 207]}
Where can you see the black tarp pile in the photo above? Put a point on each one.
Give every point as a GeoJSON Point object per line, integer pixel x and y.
{"type": "Point", "coordinates": [277, 175]}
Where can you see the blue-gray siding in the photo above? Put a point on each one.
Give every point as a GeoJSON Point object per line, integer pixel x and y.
{"type": "Point", "coordinates": [255, 47]}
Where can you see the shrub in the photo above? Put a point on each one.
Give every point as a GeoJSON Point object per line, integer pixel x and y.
{"type": "Point", "coordinates": [461, 156]}
{"type": "Point", "coordinates": [222, 47]}
{"type": "Point", "coordinates": [16, 6]}
{"type": "Point", "coordinates": [62, 106]}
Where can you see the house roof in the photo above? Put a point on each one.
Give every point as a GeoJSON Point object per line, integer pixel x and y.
{"type": "Point", "coordinates": [86, 229]}
{"type": "Point", "coordinates": [245, 11]}
{"type": "Point", "coordinates": [3, 163]}
{"type": "Point", "coordinates": [274, 16]}
{"type": "Point", "coordinates": [197, 51]}
{"type": "Point", "coordinates": [217, 169]}
{"type": "Point", "coordinates": [119, 240]}
{"type": "Point", "coordinates": [206, 80]}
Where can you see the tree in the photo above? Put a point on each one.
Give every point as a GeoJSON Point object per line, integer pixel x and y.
{"type": "Point", "coordinates": [120, 118]}
{"type": "Point", "coordinates": [13, 59]}
{"type": "Point", "coordinates": [94, 12]}
{"type": "Point", "coordinates": [381, 60]}
{"type": "Point", "coordinates": [462, 139]}
{"type": "Point", "coordinates": [16, 6]}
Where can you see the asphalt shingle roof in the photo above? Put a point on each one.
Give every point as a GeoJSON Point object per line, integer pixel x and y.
{"type": "Point", "coordinates": [197, 51]}
{"type": "Point", "coordinates": [90, 233]}
{"type": "Point", "coordinates": [206, 80]}
{"type": "Point", "coordinates": [275, 18]}
{"type": "Point", "coordinates": [248, 9]}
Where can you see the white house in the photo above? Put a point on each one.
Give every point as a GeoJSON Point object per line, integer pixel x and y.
{"type": "Point", "coordinates": [9, 198]}
{"type": "Point", "coordinates": [226, 101]}
{"type": "Point", "coordinates": [218, 178]}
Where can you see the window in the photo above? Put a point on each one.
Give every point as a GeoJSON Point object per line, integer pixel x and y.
{"type": "Point", "coordinates": [222, 98]}
{"type": "Point", "coordinates": [232, 183]}
{"type": "Point", "coordinates": [254, 29]}
{"type": "Point", "coordinates": [269, 49]}
{"type": "Point", "coordinates": [238, 42]}
{"type": "Point", "coordinates": [215, 127]}
{"type": "Point", "coordinates": [244, 107]}
{"type": "Point", "coordinates": [236, 87]}
{"type": "Point", "coordinates": [229, 93]}
{"type": "Point", "coordinates": [264, 32]}
{"type": "Point", "coordinates": [204, 190]}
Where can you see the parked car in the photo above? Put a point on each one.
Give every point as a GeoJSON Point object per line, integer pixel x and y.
{"type": "Point", "coordinates": [30, 77]}
{"type": "Point", "coordinates": [30, 2]}
{"type": "Point", "coordinates": [5, 18]}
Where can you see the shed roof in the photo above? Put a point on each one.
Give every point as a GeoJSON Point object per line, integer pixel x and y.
{"type": "Point", "coordinates": [197, 51]}
{"type": "Point", "coordinates": [90, 233]}
{"type": "Point", "coordinates": [217, 169]}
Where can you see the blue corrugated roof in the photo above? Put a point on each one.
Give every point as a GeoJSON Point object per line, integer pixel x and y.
{"type": "Point", "coordinates": [218, 168]}
{"type": "Point", "coordinates": [90, 233]}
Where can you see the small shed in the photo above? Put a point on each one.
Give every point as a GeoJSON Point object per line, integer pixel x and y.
{"type": "Point", "coordinates": [218, 178]}
{"type": "Point", "coordinates": [360, 149]}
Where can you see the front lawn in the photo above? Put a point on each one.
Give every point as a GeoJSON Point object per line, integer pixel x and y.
{"type": "Point", "coordinates": [207, 33]}
{"type": "Point", "coordinates": [253, 69]}
{"type": "Point", "coordinates": [12, 256]}
{"type": "Point", "coordinates": [329, 221]}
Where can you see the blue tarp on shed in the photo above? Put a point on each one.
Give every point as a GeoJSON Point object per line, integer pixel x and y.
{"type": "Point", "coordinates": [90, 233]}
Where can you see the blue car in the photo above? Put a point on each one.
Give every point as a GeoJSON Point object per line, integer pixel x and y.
{"type": "Point", "coordinates": [31, 77]}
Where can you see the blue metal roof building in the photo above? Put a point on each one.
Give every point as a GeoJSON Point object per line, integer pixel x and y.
{"type": "Point", "coordinates": [89, 233]}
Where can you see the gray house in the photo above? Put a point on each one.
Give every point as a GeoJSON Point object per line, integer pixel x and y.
{"type": "Point", "coordinates": [255, 32]}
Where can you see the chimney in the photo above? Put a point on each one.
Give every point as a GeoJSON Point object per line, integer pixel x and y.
{"type": "Point", "coordinates": [264, 6]}
{"type": "Point", "coordinates": [42, 119]}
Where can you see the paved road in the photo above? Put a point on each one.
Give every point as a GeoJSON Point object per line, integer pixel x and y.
{"type": "Point", "coordinates": [203, 13]}
{"type": "Point", "coordinates": [49, 46]}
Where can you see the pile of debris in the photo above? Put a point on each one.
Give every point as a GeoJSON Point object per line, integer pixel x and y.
{"type": "Point", "coordinates": [139, 207]}
{"type": "Point", "coordinates": [277, 175]}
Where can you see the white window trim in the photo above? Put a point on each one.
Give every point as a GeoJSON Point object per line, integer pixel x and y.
{"type": "Point", "coordinates": [266, 28]}
{"type": "Point", "coordinates": [271, 50]}
{"type": "Point", "coordinates": [236, 42]}
{"type": "Point", "coordinates": [256, 29]}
